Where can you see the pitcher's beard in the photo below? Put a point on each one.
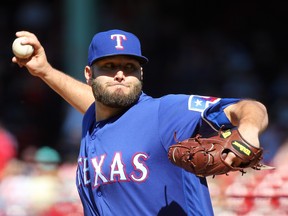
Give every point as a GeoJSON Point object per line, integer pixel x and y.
{"type": "Point", "coordinates": [116, 99]}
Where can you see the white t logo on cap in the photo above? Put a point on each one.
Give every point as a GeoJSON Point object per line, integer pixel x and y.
{"type": "Point", "coordinates": [119, 38]}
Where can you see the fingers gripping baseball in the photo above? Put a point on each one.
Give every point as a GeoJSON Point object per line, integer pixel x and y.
{"type": "Point", "coordinates": [29, 53]}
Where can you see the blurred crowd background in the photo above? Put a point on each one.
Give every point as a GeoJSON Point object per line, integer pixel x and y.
{"type": "Point", "coordinates": [218, 48]}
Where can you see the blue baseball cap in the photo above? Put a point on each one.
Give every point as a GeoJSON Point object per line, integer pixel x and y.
{"type": "Point", "coordinates": [115, 42]}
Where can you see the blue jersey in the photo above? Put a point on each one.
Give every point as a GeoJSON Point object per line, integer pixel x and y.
{"type": "Point", "coordinates": [123, 168]}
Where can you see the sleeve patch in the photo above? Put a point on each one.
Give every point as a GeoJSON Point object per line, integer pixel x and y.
{"type": "Point", "coordinates": [200, 103]}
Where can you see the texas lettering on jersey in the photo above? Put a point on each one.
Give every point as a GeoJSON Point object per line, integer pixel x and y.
{"type": "Point", "coordinates": [117, 170]}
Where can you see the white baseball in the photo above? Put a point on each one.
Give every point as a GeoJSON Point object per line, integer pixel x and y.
{"type": "Point", "coordinates": [20, 50]}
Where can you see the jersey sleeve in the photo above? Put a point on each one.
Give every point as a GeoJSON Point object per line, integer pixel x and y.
{"type": "Point", "coordinates": [214, 115]}
{"type": "Point", "coordinates": [183, 116]}
{"type": "Point", "coordinates": [178, 117]}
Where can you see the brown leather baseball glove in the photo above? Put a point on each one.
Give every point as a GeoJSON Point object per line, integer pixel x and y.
{"type": "Point", "coordinates": [206, 156]}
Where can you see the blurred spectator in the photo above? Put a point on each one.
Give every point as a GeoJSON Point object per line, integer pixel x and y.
{"type": "Point", "coordinates": [39, 184]}
{"type": "Point", "coordinates": [35, 191]}
{"type": "Point", "coordinates": [47, 160]}
{"type": "Point", "coordinates": [8, 148]}
{"type": "Point", "coordinates": [45, 183]}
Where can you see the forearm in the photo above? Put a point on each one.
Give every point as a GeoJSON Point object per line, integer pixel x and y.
{"type": "Point", "coordinates": [76, 93]}
{"type": "Point", "coordinates": [248, 113]}
{"type": "Point", "coordinates": [250, 117]}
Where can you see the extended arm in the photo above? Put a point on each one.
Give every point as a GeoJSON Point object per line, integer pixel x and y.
{"type": "Point", "coordinates": [76, 93]}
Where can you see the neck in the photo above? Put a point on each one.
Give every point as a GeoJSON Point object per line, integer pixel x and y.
{"type": "Point", "coordinates": [104, 112]}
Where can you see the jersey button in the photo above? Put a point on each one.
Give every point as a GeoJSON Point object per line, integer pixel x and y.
{"type": "Point", "coordinates": [99, 192]}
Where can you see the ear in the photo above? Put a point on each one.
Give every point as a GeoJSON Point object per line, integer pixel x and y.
{"type": "Point", "coordinates": [88, 75]}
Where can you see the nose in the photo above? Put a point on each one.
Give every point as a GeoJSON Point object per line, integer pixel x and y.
{"type": "Point", "coordinates": [119, 76]}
